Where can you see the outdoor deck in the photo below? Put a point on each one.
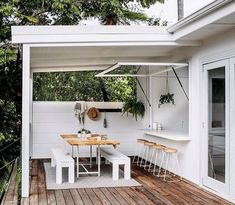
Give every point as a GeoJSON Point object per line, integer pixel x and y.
{"type": "Point", "coordinates": [153, 191]}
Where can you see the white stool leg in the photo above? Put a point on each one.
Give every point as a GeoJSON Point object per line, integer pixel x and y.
{"type": "Point", "coordinates": [146, 157]}
{"type": "Point", "coordinates": [140, 154]}
{"type": "Point", "coordinates": [160, 167]}
{"type": "Point", "coordinates": [136, 153]}
{"type": "Point", "coordinates": [71, 173]}
{"type": "Point", "coordinates": [143, 154]}
{"type": "Point", "coordinates": [58, 174]}
{"type": "Point", "coordinates": [115, 171]}
{"type": "Point", "coordinates": [155, 161]}
{"type": "Point", "coordinates": [127, 170]}
{"type": "Point", "coordinates": [167, 162]}
{"type": "Point", "coordinates": [151, 159]}
{"type": "Point", "coordinates": [178, 166]}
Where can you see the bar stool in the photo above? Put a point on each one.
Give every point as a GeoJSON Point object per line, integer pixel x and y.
{"type": "Point", "coordinates": [144, 154]}
{"type": "Point", "coordinates": [149, 150]}
{"type": "Point", "coordinates": [138, 152]}
{"type": "Point", "coordinates": [158, 148]}
{"type": "Point", "coordinates": [168, 153]}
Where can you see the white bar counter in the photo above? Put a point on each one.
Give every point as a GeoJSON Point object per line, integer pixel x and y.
{"type": "Point", "coordinates": [169, 135]}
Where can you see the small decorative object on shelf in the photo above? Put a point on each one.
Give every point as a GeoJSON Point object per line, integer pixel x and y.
{"type": "Point", "coordinates": [168, 97]}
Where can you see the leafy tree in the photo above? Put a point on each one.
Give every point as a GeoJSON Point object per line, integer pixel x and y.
{"type": "Point", "coordinates": [114, 12]}
{"type": "Point", "coordinates": [74, 86]}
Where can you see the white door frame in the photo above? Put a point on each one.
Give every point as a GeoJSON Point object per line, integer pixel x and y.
{"type": "Point", "coordinates": [222, 188]}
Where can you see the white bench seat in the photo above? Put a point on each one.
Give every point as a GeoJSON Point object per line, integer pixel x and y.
{"type": "Point", "coordinates": [59, 160]}
{"type": "Point", "coordinates": [117, 158]}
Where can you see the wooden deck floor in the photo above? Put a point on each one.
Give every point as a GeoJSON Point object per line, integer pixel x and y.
{"type": "Point", "coordinates": [153, 191]}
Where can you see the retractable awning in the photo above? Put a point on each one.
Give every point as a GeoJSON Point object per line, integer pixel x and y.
{"type": "Point", "coordinates": [139, 69]}
{"type": "Point", "coordinates": [142, 69]}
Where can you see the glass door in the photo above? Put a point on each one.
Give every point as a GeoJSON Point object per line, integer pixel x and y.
{"type": "Point", "coordinates": [216, 126]}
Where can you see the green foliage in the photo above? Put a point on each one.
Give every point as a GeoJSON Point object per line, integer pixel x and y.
{"type": "Point", "coordinates": [135, 107]}
{"type": "Point", "coordinates": [166, 99]}
{"type": "Point", "coordinates": [84, 131]}
{"type": "Point", "coordinates": [156, 22]}
{"type": "Point", "coordinates": [4, 175]}
{"type": "Point", "coordinates": [75, 86]}
{"type": "Point", "coordinates": [114, 12]}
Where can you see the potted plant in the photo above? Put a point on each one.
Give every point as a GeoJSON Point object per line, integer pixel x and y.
{"type": "Point", "coordinates": [168, 97]}
{"type": "Point", "coordinates": [84, 131]}
{"type": "Point", "coordinates": [135, 107]}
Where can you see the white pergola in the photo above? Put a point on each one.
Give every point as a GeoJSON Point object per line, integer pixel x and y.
{"type": "Point", "coordinates": [79, 48]}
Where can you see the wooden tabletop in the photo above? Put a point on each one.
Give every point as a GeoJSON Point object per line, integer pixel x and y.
{"type": "Point", "coordinates": [69, 136]}
{"type": "Point", "coordinates": [85, 142]}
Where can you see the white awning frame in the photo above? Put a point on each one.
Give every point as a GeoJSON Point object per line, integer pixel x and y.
{"type": "Point", "coordinates": [168, 66]}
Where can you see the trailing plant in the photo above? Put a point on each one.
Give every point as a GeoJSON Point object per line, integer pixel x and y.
{"type": "Point", "coordinates": [135, 107]}
{"type": "Point", "coordinates": [168, 97]}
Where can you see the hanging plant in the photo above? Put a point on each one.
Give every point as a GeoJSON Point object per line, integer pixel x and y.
{"type": "Point", "coordinates": [134, 107]}
{"type": "Point", "coordinates": [168, 97]}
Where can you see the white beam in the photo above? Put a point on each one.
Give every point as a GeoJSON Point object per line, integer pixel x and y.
{"type": "Point", "coordinates": [25, 120]}
{"type": "Point", "coordinates": [168, 66]}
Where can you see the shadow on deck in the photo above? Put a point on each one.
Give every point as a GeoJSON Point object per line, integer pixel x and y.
{"type": "Point", "coordinates": [153, 191]}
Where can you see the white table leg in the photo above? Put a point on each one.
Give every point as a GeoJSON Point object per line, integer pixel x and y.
{"type": "Point", "coordinates": [77, 161]}
{"type": "Point", "coordinates": [90, 156]}
{"type": "Point", "coordinates": [98, 160]}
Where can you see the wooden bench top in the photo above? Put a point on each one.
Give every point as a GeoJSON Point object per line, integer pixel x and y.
{"type": "Point", "coordinates": [85, 142]}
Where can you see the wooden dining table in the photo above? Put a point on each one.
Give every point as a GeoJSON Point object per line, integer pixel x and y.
{"type": "Point", "coordinates": [74, 141]}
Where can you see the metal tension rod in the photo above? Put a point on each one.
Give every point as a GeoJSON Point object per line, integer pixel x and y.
{"type": "Point", "coordinates": [141, 86]}
{"type": "Point", "coordinates": [180, 83]}
{"type": "Point", "coordinates": [143, 91]}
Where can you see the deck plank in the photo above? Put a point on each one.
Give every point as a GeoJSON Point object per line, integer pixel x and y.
{"type": "Point", "coordinates": [33, 197]}
{"type": "Point", "coordinates": [101, 196]}
{"type": "Point", "coordinates": [153, 191]}
{"type": "Point", "coordinates": [59, 197]}
{"type": "Point", "coordinates": [10, 197]}
{"type": "Point", "coordinates": [68, 197]}
{"type": "Point", "coordinates": [51, 200]}
{"type": "Point", "coordinates": [110, 196]}
{"type": "Point", "coordinates": [76, 197]}
{"type": "Point", "coordinates": [124, 193]}
{"type": "Point", "coordinates": [24, 201]}
{"type": "Point", "coordinates": [93, 197]}
{"type": "Point", "coordinates": [42, 194]}
{"type": "Point", "coordinates": [85, 198]}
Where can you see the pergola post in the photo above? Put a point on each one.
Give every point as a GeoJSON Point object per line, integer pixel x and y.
{"type": "Point", "coordinates": [25, 120]}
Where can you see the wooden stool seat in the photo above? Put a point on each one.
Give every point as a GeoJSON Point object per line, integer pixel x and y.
{"type": "Point", "coordinates": [170, 150]}
{"type": "Point", "coordinates": [149, 143]}
{"type": "Point", "coordinates": [159, 146]}
{"type": "Point", "coordinates": [141, 140]}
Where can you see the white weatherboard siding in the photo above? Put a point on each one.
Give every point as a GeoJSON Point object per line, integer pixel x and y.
{"type": "Point", "coordinates": [50, 119]}
{"type": "Point", "coordinates": [217, 48]}
{"type": "Point", "coordinates": [172, 117]}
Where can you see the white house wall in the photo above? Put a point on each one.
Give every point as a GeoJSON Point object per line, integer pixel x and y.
{"type": "Point", "coordinates": [50, 119]}
{"type": "Point", "coordinates": [220, 47]}
{"type": "Point", "coordinates": [172, 117]}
